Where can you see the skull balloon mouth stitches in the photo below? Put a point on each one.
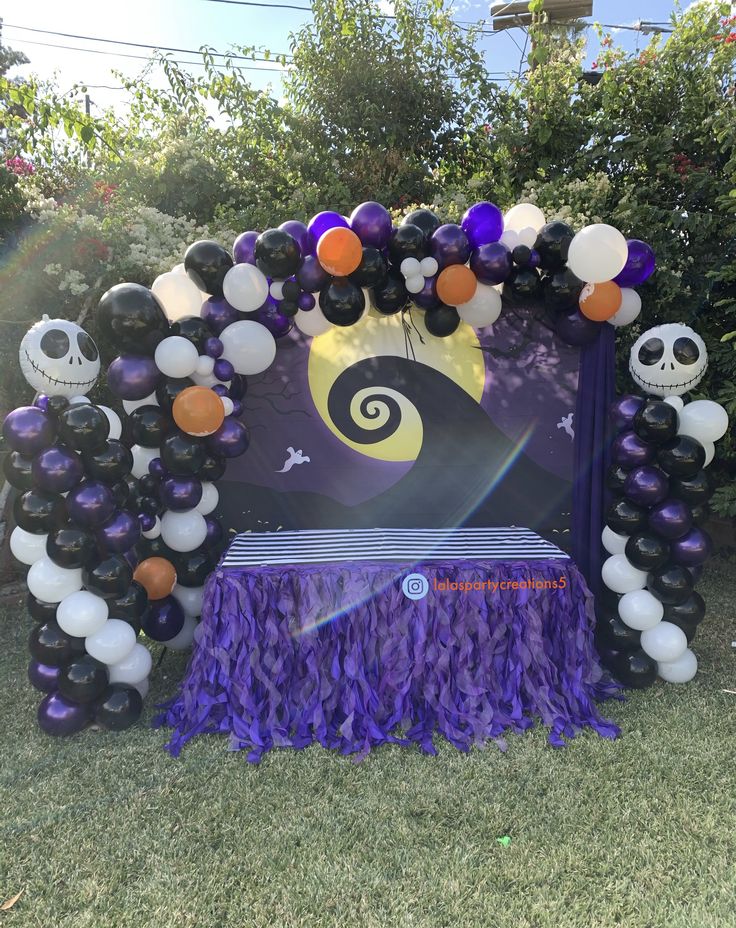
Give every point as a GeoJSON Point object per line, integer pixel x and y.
{"type": "Point", "coordinates": [56, 381]}
{"type": "Point", "coordinates": [674, 386]}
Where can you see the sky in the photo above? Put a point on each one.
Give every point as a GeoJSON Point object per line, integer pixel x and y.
{"type": "Point", "coordinates": [188, 24]}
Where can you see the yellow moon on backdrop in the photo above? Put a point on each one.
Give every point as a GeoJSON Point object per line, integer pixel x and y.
{"type": "Point", "coordinates": [458, 358]}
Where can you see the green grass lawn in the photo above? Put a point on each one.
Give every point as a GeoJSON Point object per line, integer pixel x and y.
{"type": "Point", "coordinates": [106, 829]}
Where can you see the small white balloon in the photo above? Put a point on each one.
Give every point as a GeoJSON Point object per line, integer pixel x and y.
{"type": "Point", "coordinates": [179, 268]}
{"type": "Point", "coordinates": [629, 309]}
{"type": "Point", "coordinates": [112, 643]}
{"type": "Point", "coordinates": [640, 610]}
{"type": "Point", "coordinates": [51, 583]}
{"type": "Point", "coordinates": [189, 598]}
{"type": "Point", "coordinates": [510, 239]}
{"type": "Point", "coordinates": [79, 401]}
{"type": "Point", "coordinates": [183, 531]}
{"type": "Point", "coordinates": [142, 457]}
{"type": "Point", "coordinates": [178, 295]}
{"type": "Point", "coordinates": [522, 216]}
{"type": "Point", "coordinates": [703, 420]}
{"type": "Point", "coordinates": [155, 531]}
{"type": "Point", "coordinates": [248, 345]}
{"type": "Point", "coordinates": [144, 686]}
{"type": "Point", "coordinates": [428, 267]}
{"type": "Point", "coordinates": [312, 323]}
{"type": "Point", "coordinates": [681, 670]}
{"type": "Point", "coordinates": [483, 308]}
{"type": "Point", "coordinates": [227, 405]}
{"type": "Point", "coordinates": [176, 356]}
{"type": "Point", "coordinates": [277, 292]}
{"type": "Point", "coordinates": [134, 668]}
{"type": "Point", "coordinates": [415, 284]}
{"type": "Point", "coordinates": [184, 639]}
{"type": "Point", "coordinates": [621, 576]}
{"type": "Point", "coordinates": [710, 452]}
{"type": "Point", "coordinates": [527, 236]}
{"type": "Point", "coordinates": [130, 405]}
{"type": "Point", "coordinates": [205, 365]}
{"type": "Point", "coordinates": [206, 380]}
{"type": "Point", "coordinates": [411, 267]}
{"type": "Point", "coordinates": [676, 401]}
{"type": "Point", "coordinates": [665, 642]}
{"type": "Point", "coordinates": [613, 542]}
{"type": "Point", "coordinates": [27, 547]}
{"type": "Point", "coordinates": [210, 498]}
{"type": "Point", "coordinates": [245, 288]}
{"type": "Point", "coordinates": [82, 613]}
{"type": "Point", "coordinates": [597, 253]}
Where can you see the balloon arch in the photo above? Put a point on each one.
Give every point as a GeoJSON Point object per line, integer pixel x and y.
{"type": "Point", "coordinates": [114, 515]}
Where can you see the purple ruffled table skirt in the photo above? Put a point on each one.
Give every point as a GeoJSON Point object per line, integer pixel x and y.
{"type": "Point", "coordinates": [336, 653]}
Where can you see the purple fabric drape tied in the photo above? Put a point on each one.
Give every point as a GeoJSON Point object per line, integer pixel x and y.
{"type": "Point", "coordinates": [337, 654]}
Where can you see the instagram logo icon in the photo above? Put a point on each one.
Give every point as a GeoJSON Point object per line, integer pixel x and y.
{"type": "Point", "coordinates": [415, 586]}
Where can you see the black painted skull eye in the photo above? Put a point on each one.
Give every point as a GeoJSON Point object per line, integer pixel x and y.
{"type": "Point", "coordinates": [686, 351]}
{"type": "Point", "coordinates": [87, 346]}
{"type": "Point", "coordinates": [55, 343]}
{"type": "Point", "coordinates": [651, 351]}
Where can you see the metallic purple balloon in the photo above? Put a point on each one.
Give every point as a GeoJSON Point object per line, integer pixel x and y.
{"type": "Point", "coordinates": [120, 533]}
{"type": "Point", "coordinates": [181, 493]}
{"type": "Point", "coordinates": [59, 718]}
{"type": "Point", "coordinates": [276, 323]}
{"type": "Point", "coordinates": [213, 347]}
{"type": "Point", "coordinates": [220, 389]}
{"type": "Point", "coordinates": [491, 263]}
{"type": "Point", "coordinates": [427, 297]}
{"type": "Point", "coordinates": [146, 521]}
{"type": "Point", "coordinates": [218, 314]}
{"type": "Point", "coordinates": [639, 264]}
{"type": "Point", "coordinates": [671, 519]}
{"type": "Point", "coordinates": [57, 469]}
{"type": "Point", "coordinates": [482, 223]}
{"type": "Point", "coordinates": [449, 245]}
{"type": "Point", "coordinates": [576, 329]}
{"type": "Point", "coordinates": [43, 676]}
{"type": "Point", "coordinates": [230, 440]}
{"type": "Point", "coordinates": [223, 370]}
{"type": "Point", "coordinates": [311, 276]}
{"type": "Point", "coordinates": [28, 430]}
{"type": "Point", "coordinates": [214, 531]}
{"type": "Point", "coordinates": [164, 619]}
{"type": "Point", "coordinates": [371, 222]}
{"type": "Point", "coordinates": [132, 377]}
{"type": "Point", "coordinates": [622, 410]}
{"type": "Point", "coordinates": [628, 450]}
{"type": "Point", "coordinates": [42, 401]}
{"type": "Point", "coordinates": [693, 549]}
{"type": "Point", "coordinates": [90, 504]}
{"type": "Point", "coordinates": [536, 259]}
{"type": "Point", "coordinates": [244, 248]}
{"type": "Point", "coordinates": [324, 221]}
{"type": "Point", "coordinates": [306, 301]}
{"type": "Point", "coordinates": [156, 468]}
{"type": "Point", "coordinates": [646, 486]}
{"type": "Point", "coordinates": [300, 233]}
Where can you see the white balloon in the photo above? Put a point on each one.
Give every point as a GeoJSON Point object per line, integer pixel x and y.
{"type": "Point", "coordinates": [710, 452]}
{"type": "Point", "coordinates": [178, 295]}
{"type": "Point", "coordinates": [522, 216]}
{"type": "Point", "coordinates": [142, 457]}
{"type": "Point", "coordinates": [190, 599]}
{"type": "Point", "coordinates": [248, 345]}
{"type": "Point", "coordinates": [130, 405]}
{"type": "Point", "coordinates": [483, 308]}
{"type": "Point", "coordinates": [227, 405]}
{"type": "Point", "coordinates": [703, 420]}
{"type": "Point", "coordinates": [411, 267]}
{"type": "Point", "coordinates": [621, 576]}
{"type": "Point", "coordinates": [155, 531]}
{"type": "Point", "coordinates": [676, 401]}
{"type": "Point", "coordinates": [184, 639]}
{"type": "Point", "coordinates": [680, 670]}
{"type": "Point", "coordinates": [143, 687]}
{"type": "Point", "coordinates": [245, 287]}
{"type": "Point", "coordinates": [210, 498]}
{"type": "Point", "coordinates": [428, 267]}
{"type": "Point", "coordinates": [81, 614]}
{"type": "Point", "coordinates": [277, 289]}
{"type": "Point", "coordinates": [183, 531]}
{"type": "Point", "coordinates": [27, 547]}
{"type": "Point", "coordinates": [312, 322]}
{"type": "Point", "coordinates": [206, 380]}
{"type": "Point", "coordinates": [116, 426]}
{"type": "Point", "coordinates": [613, 542]}
{"type": "Point", "coordinates": [205, 365]}
{"type": "Point", "coordinates": [51, 583]}
{"type": "Point", "coordinates": [112, 643]}
{"type": "Point", "coordinates": [415, 284]}
{"type": "Point", "coordinates": [640, 610]}
{"type": "Point", "coordinates": [628, 310]}
{"type": "Point", "coordinates": [80, 401]}
{"type": "Point", "coordinates": [510, 239]}
{"type": "Point", "coordinates": [69, 372]}
{"type": "Point", "coordinates": [179, 268]}
{"type": "Point", "coordinates": [527, 236]}
{"type": "Point", "coordinates": [597, 253]}
{"type": "Point", "coordinates": [665, 642]}
{"type": "Point", "coordinates": [134, 668]}
{"type": "Point", "coordinates": [176, 356]}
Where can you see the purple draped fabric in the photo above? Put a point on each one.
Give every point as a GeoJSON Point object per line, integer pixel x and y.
{"type": "Point", "coordinates": [596, 390]}
{"type": "Point", "coordinates": [336, 653]}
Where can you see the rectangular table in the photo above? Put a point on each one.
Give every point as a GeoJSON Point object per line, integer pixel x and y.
{"type": "Point", "coordinates": [319, 636]}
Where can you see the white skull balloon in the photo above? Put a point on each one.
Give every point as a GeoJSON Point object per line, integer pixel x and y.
{"type": "Point", "coordinates": [668, 360]}
{"type": "Point", "coordinates": [59, 358]}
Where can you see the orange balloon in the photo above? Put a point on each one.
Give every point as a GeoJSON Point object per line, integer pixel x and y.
{"type": "Point", "coordinates": [456, 285]}
{"type": "Point", "coordinates": [339, 251]}
{"type": "Point", "coordinates": [600, 301]}
{"type": "Point", "coordinates": [157, 576]}
{"type": "Point", "coordinates": [198, 411]}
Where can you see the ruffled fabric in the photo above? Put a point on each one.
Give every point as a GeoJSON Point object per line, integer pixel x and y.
{"type": "Point", "coordinates": [336, 653]}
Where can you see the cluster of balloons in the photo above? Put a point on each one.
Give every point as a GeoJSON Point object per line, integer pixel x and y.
{"type": "Point", "coordinates": [650, 610]}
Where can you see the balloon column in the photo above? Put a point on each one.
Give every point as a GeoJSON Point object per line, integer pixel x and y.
{"type": "Point", "coordinates": [75, 532]}
{"type": "Point", "coordinates": [653, 532]}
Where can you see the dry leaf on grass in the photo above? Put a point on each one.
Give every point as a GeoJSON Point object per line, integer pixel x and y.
{"type": "Point", "coordinates": [9, 903]}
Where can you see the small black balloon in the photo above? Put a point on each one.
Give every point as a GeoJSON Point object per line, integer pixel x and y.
{"type": "Point", "coordinates": [408, 241]}
{"type": "Point", "coordinates": [83, 679]}
{"type": "Point", "coordinates": [72, 547]}
{"type": "Point", "coordinates": [372, 270]}
{"type": "Point", "coordinates": [553, 244]}
{"type": "Point", "coordinates": [562, 290]}
{"type": "Point", "coordinates": [110, 463]}
{"type": "Point", "coordinates": [154, 547]}
{"type": "Point", "coordinates": [193, 567]}
{"type": "Point", "coordinates": [647, 552]}
{"type": "Point", "coordinates": [17, 470]}
{"type": "Point", "coordinates": [39, 512]}
{"type": "Point", "coordinates": [149, 485]}
{"type": "Point", "coordinates": [391, 295]}
{"type": "Point", "coordinates": [288, 308]}
{"type": "Point", "coordinates": [290, 290]}
{"type": "Point", "coordinates": [634, 669]}
{"type": "Point", "coordinates": [442, 321]}
{"type": "Point", "coordinates": [624, 518]}
{"type": "Point", "coordinates": [131, 319]}
{"type": "Point", "coordinates": [424, 219]}
{"type": "Point", "coordinates": [690, 610]}
{"type": "Point", "coordinates": [656, 422]}
{"type": "Point", "coordinates": [40, 610]}
{"type": "Point", "coordinates": [109, 578]}
{"type": "Point", "coordinates": [213, 467]}
{"type": "Point", "coordinates": [84, 427]}
{"type": "Point", "coordinates": [56, 405]}
{"type": "Point", "coordinates": [523, 284]}
{"type": "Point", "coordinates": [118, 707]}
{"type": "Point", "coordinates": [147, 425]}
{"type": "Point", "coordinates": [182, 455]}
{"type": "Point", "coordinates": [671, 584]}
{"type": "Point", "coordinates": [48, 644]}
{"type": "Point", "coordinates": [521, 256]}
{"type": "Point", "coordinates": [695, 490]}
{"type": "Point", "coordinates": [194, 329]}
{"type": "Point", "coordinates": [149, 506]}
{"type": "Point", "coordinates": [681, 456]}
{"type": "Point", "coordinates": [168, 390]}
{"type": "Point", "coordinates": [616, 478]}
{"type": "Point", "coordinates": [277, 254]}
{"type": "Point", "coordinates": [342, 303]}
{"type": "Point", "coordinates": [610, 632]}
{"type": "Point", "coordinates": [206, 263]}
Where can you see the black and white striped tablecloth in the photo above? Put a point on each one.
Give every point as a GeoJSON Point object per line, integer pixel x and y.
{"type": "Point", "coordinates": [321, 546]}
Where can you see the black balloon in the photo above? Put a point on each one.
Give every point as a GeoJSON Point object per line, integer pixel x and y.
{"type": "Point", "coordinates": [553, 244]}
{"type": "Point", "coordinates": [656, 421]}
{"type": "Point", "coordinates": [119, 707]}
{"type": "Point", "coordinates": [206, 263]}
{"type": "Point", "coordinates": [408, 241]}
{"type": "Point", "coordinates": [130, 317]}
{"type": "Point", "coordinates": [610, 632]}
{"type": "Point", "coordinates": [50, 645]}
{"type": "Point", "coordinates": [194, 329]}
{"type": "Point", "coordinates": [689, 628]}
{"type": "Point", "coordinates": [441, 321]}
{"type": "Point", "coordinates": [423, 219]}
{"type": "Point", "coordinates": [109, 578]}
{"type": "Point", "coordinates": [523, 284]}
{"type": "Point", "coordinates": [56, 405]}
{"type": "Point", "coordinates": [84, 427]}
{"type": "Point", "coordinates": [342, 302]}
{"type": "Point", "coordinates": [616, 478]}
{"type": "Point", "coordinates": [562, 290]}
{"type": "Point", "coordinates": [110, 463]}
{"type": "Point", "coordinates": [521, 255]}
{"type": "Point", "coordinates": [290, 290]}
{"type": "Point", "coordinates": [634, 669]}
{"type": "Point", "coordinates": [182, 455]}
{"type": "Point", "coordinates": [131, 607]}
{"type": "Point", "coordinates": [154, 547]}
{"type": "Point", "coordinates": [372, 270]}
{"type": "Point", "coordinates": [647, 552]}
{"type": "Point", "coordinates": [192, 567]}
{"type": "Point", "coordinates": [147, 425]}
{"type": "Point", "coordinates": [40, 610]}
{"type": "Point", "coordinates": [168, 390]}
{"type": "Point", "coordinates": [72, 547]}
{"type": "Point", "coordinates": [17, 470]}
{"type": "Point", "coordinates": [391, 296]}
{"type": "Point", "coordinates": [121, 493]}
{"type": "Point", "coordinates": [681, 456]}
{"type": "Point", "coordinates": [149, 485]}
{"type": "Point", "coordinates": [671, 584]}
{"type": "Point", "coordinates": [83, 679]}
{"type": "Point", "coordinates": [690, 610]}
{"type": "Point", "coordinates": [39, 512]}
{"type": "Point", "coordinates": [625, 518]}
{"type": "Point", "coordinates": [695, 490]}
{"type": "Point", "coordinates": [288, 308]}
{"type": "Point", "coordinates": [213, 467]}
{"type": "Point", "coordinates": [277, 254]}
{"type": "Point", "coordinates": [149, 506]}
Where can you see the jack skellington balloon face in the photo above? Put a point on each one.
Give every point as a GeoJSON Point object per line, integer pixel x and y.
{"type": "Point", "coordinates": [668, 360]}
{"type": "Point", "coordinates": [59, 358]}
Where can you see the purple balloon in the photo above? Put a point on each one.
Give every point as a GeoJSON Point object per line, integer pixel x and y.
{"type": "Point", "coordinates": [213, 347]}
{"type": "Point", "coordinates": [671, 519]}
{"type": "Point", "coordinates": [181, 493]}
{"type": "Point", "coordinates": [306, 301]}
{"type": "Point", "coordinates": [628, 450]}
{"type": "Point", "coordinates": [146, 521]}
{"type": "Point", "coordinates": [120, 533]}
{"type": "Point", "coordinates": [42, 401]}
{"type": "Point", "coordinates": [639, 264]}
{"type": "Point", "coordinates": [59, 718]}
{"type": "Point", "coordinates": [220, 389]}
{"type": "Point", "coordinates": [90, 504]}
{"type": "Point", "coordinates": [214, 531]}
{"type": "Point", "coordinates": [693, 549]}
{"type": "Point", "coordinates": [43, 676]}
{"type": "Point", "coordinates": [535, 259]}
{"type": "Point", "coordinates": [371, 222]}
{"type": "Point", "coordinates": [244, 248]}
{"type": "Point", "coordinates": [28, 430]}
{"type": "Point", "coordinates": [482, 223]}
{"type": "Point", "coordinates": [230, 440]}
{"type": "Point", "coordinates": [449, 245]}
{"type": "Point", "coordinates": [427, 297]}
{"type": "Point", "coordinates": [156, 468]}
{"type": "Point", "coordinates": [576, 329]}
{"type": "Point", "coordinates": [276, 323]}
{"type": "Point", "coordinates": [218, 314]}
{"type": "Point", "coordinates": [646, 486]}
{"type": "Point", "coordinates": [491, 263]}
{"type": "Point", "coordinates": [164, 619]}
{"type": "Point", "coordinates": [324, 221]}
{"type": "Point", "coordinates": [622, 410]}
{"type": "Point", "coordinates": [132, 377]}
{"type": "Point", "coordinates": [57, 469]}
{"type": "Point", "coordinates": [223, 370]}
{"type": "Point", "coordinates": [300, 233]}
{"type": "Point", "coordinates": [311, 276]}
{"type": "Point", "coordinates": [237, 408]}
